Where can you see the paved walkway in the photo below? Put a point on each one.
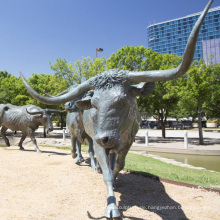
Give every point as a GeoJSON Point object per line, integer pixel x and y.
{"type": "Point", "coordinates": [174, 143]}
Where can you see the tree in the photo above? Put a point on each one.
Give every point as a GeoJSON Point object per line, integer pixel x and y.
{"type": "Point", "coordinates": [212, 104]}
{"type": "Point", "coordinates": [87, 68]}
{"type": "Point", "coordinates": [132, 58]}
{"type": "Point", "coordinates": [195, 91]}
{"type": "Point", "coordinates": [8, 88]}
{"type": "Point", "coordinates": [81, 70]}
{"type": "Point", "coordinates": [63, 70]}
{"type": "Point", "coordinates": [46, 84]}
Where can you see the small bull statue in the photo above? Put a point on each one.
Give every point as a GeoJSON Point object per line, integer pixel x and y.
{"type": "Point", "coordinates": [111, 117]}
{"type": "Point", "coordinates": [25, 118]}
{"type": "Point", "coordinates": [74, 122]}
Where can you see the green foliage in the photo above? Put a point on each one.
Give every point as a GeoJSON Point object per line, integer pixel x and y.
{"type": "Point", "coordinates": [9, 88]}
{"type": "Point", "coordinates": [80, 70]}
{"type": "Point", "coordinates": [63, 70]}
{"type": "Point", "coordinates": [196, 88]}
{"type": "Point", "coordinates": [134, 59]}
{"type": "Point", "coordinates": [212, 104]}
{"type": "Point", "coordinates": [46, 84]}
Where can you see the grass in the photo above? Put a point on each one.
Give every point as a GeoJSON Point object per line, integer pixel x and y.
{"type": "Point", "coordinates": [153, 167]}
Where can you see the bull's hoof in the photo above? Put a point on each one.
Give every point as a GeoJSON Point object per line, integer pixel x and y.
{"type": "Point", "coordinates": [79, 161]}
{"type": "Point", "coordinates": [73, 155]}
{"type": "Point", "coordinates": [112, 211]}
{"type": "Point", "coordinates": [38, 151]}
{"type": "Point", "coordinates": [21, 148]}
{"type": "Point", "coordinates": [93, 167]}
{"type": "Point", "coordinates": [99, 170]}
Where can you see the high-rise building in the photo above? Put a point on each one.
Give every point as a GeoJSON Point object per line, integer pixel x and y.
{"type": "Point", "coordinates": [171, 36]}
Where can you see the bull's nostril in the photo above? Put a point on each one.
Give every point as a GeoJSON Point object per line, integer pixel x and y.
{"type": "Point", "coordinates": [105, 140]}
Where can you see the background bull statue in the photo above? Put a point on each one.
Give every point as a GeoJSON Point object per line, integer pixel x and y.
{"type": "Point", "coordinates": [74, 122]}
{"type": "Point", "coordinates": [111, 115]}
{"type": "Point", "coordinates": [25, 118]}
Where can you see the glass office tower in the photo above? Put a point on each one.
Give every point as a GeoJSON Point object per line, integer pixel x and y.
{"type": "Point", "coordinates": [171, 36]}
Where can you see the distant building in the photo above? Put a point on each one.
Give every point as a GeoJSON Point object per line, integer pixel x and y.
{"type": "Point", "coordinates": [211, 50]}
{"type": "Point", "coordinates": [171, 36]}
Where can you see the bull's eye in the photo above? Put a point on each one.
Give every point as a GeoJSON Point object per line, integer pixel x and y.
{"type": "Point", "coordinates": [93, 113]}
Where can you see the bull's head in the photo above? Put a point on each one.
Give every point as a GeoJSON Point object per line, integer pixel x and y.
{"type": "Point", "coordinates": [113, 105]}
{"type": "Point", "coordinates": [44, 116]}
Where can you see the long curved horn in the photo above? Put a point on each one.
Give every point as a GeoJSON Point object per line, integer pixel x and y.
{"type": "Point", "coordinates": [35, 112]}
{"type": "Point", "coordinates": [62, 93]}
{"type": "Point", "coordinates": [56, 100]}
{"type": "Point", "coordinates": [55, 111]}
{"type": "Point", "coordinates": [164, 75]}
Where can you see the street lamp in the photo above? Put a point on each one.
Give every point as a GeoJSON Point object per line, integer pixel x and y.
{"type": "Point", "coordinates": [99, 50]}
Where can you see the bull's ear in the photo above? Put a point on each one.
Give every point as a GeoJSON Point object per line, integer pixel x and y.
{"type": "Point", "coordinates": [84, 104]}
{"type": "Point", "coordinates": [143, 89]}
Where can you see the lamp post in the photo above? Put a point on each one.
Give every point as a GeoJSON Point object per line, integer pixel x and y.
{"type": "Point", "coordinates": [98, 50]}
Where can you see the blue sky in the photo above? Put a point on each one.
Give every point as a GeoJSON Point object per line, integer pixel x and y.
{"type": "Point", "coordinates": [36, 32]}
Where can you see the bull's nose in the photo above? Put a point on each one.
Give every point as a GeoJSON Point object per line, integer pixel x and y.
{"type": "Point", "coordinates": [106, 141]}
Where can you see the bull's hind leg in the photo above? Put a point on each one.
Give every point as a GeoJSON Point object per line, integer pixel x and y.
{"type": "Point", "coordinates": [3, 130]}
{"type": "Point", "coordinates": [120, 162]}
{"type": "Point", "coordinates": [33, 139]}
{"type": "Point", "coordinates": [21, 141]}
{"type": "Point", "coordinates": [91, 153]}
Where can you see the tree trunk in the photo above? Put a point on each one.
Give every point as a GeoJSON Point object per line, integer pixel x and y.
{"type": "Point", "coordinates": [163, 130]}
{"type": "Point", "coordinates": [45, 135]}
{"type": "Point", "coordinates": [162, 121]}
{"type": "Point", "coordinates": [201, 142]}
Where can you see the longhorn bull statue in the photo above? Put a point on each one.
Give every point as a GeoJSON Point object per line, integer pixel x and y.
{"type": "Point", "coordinates": [74, 122]}
{"type": "Point", "coordinates": [111, 115]}
{"type": "Point", "coordinates": [25, 118]}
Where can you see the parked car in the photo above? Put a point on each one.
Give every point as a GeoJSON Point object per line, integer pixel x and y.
{"type": "Point", "coordinates": [187, 124]}
{"type": "Point", "coordinates": [144, 124]}
{"type": "Point", "coordinates": [175, 125]}
{"type": "Point", "coordinates": [149, 124]}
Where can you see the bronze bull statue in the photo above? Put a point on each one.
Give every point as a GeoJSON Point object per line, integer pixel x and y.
{"type": "Point", "coordinates": [25, 118]}
{"type": "Point", "coordinates": [111, 115]}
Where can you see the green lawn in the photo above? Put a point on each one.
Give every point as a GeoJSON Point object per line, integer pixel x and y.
{"type": "Point", "coordinates": [151, 166]}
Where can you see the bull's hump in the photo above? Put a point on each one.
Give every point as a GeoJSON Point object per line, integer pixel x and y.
{"type": "Point", "coordinates": [109, 78]}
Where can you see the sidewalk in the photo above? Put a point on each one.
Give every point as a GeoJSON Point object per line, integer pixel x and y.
{"type": "Point", "coordinates": [174, 143]}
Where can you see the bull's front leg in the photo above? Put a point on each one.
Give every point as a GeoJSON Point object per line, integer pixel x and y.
{"type": "Point", "coordinates": [24, 135]}
{"type": "Point", "coordinates": [33, 139]}
{"type": "Point", "coordinates": [79, 157]}
{"type": "Point", "coordinates": [73, 148]}
{"type": "Point", "coordinates": [111, 209]}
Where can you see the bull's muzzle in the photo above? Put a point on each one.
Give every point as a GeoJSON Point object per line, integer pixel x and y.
{"type": "Point", "coordinates": [106, 141]}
